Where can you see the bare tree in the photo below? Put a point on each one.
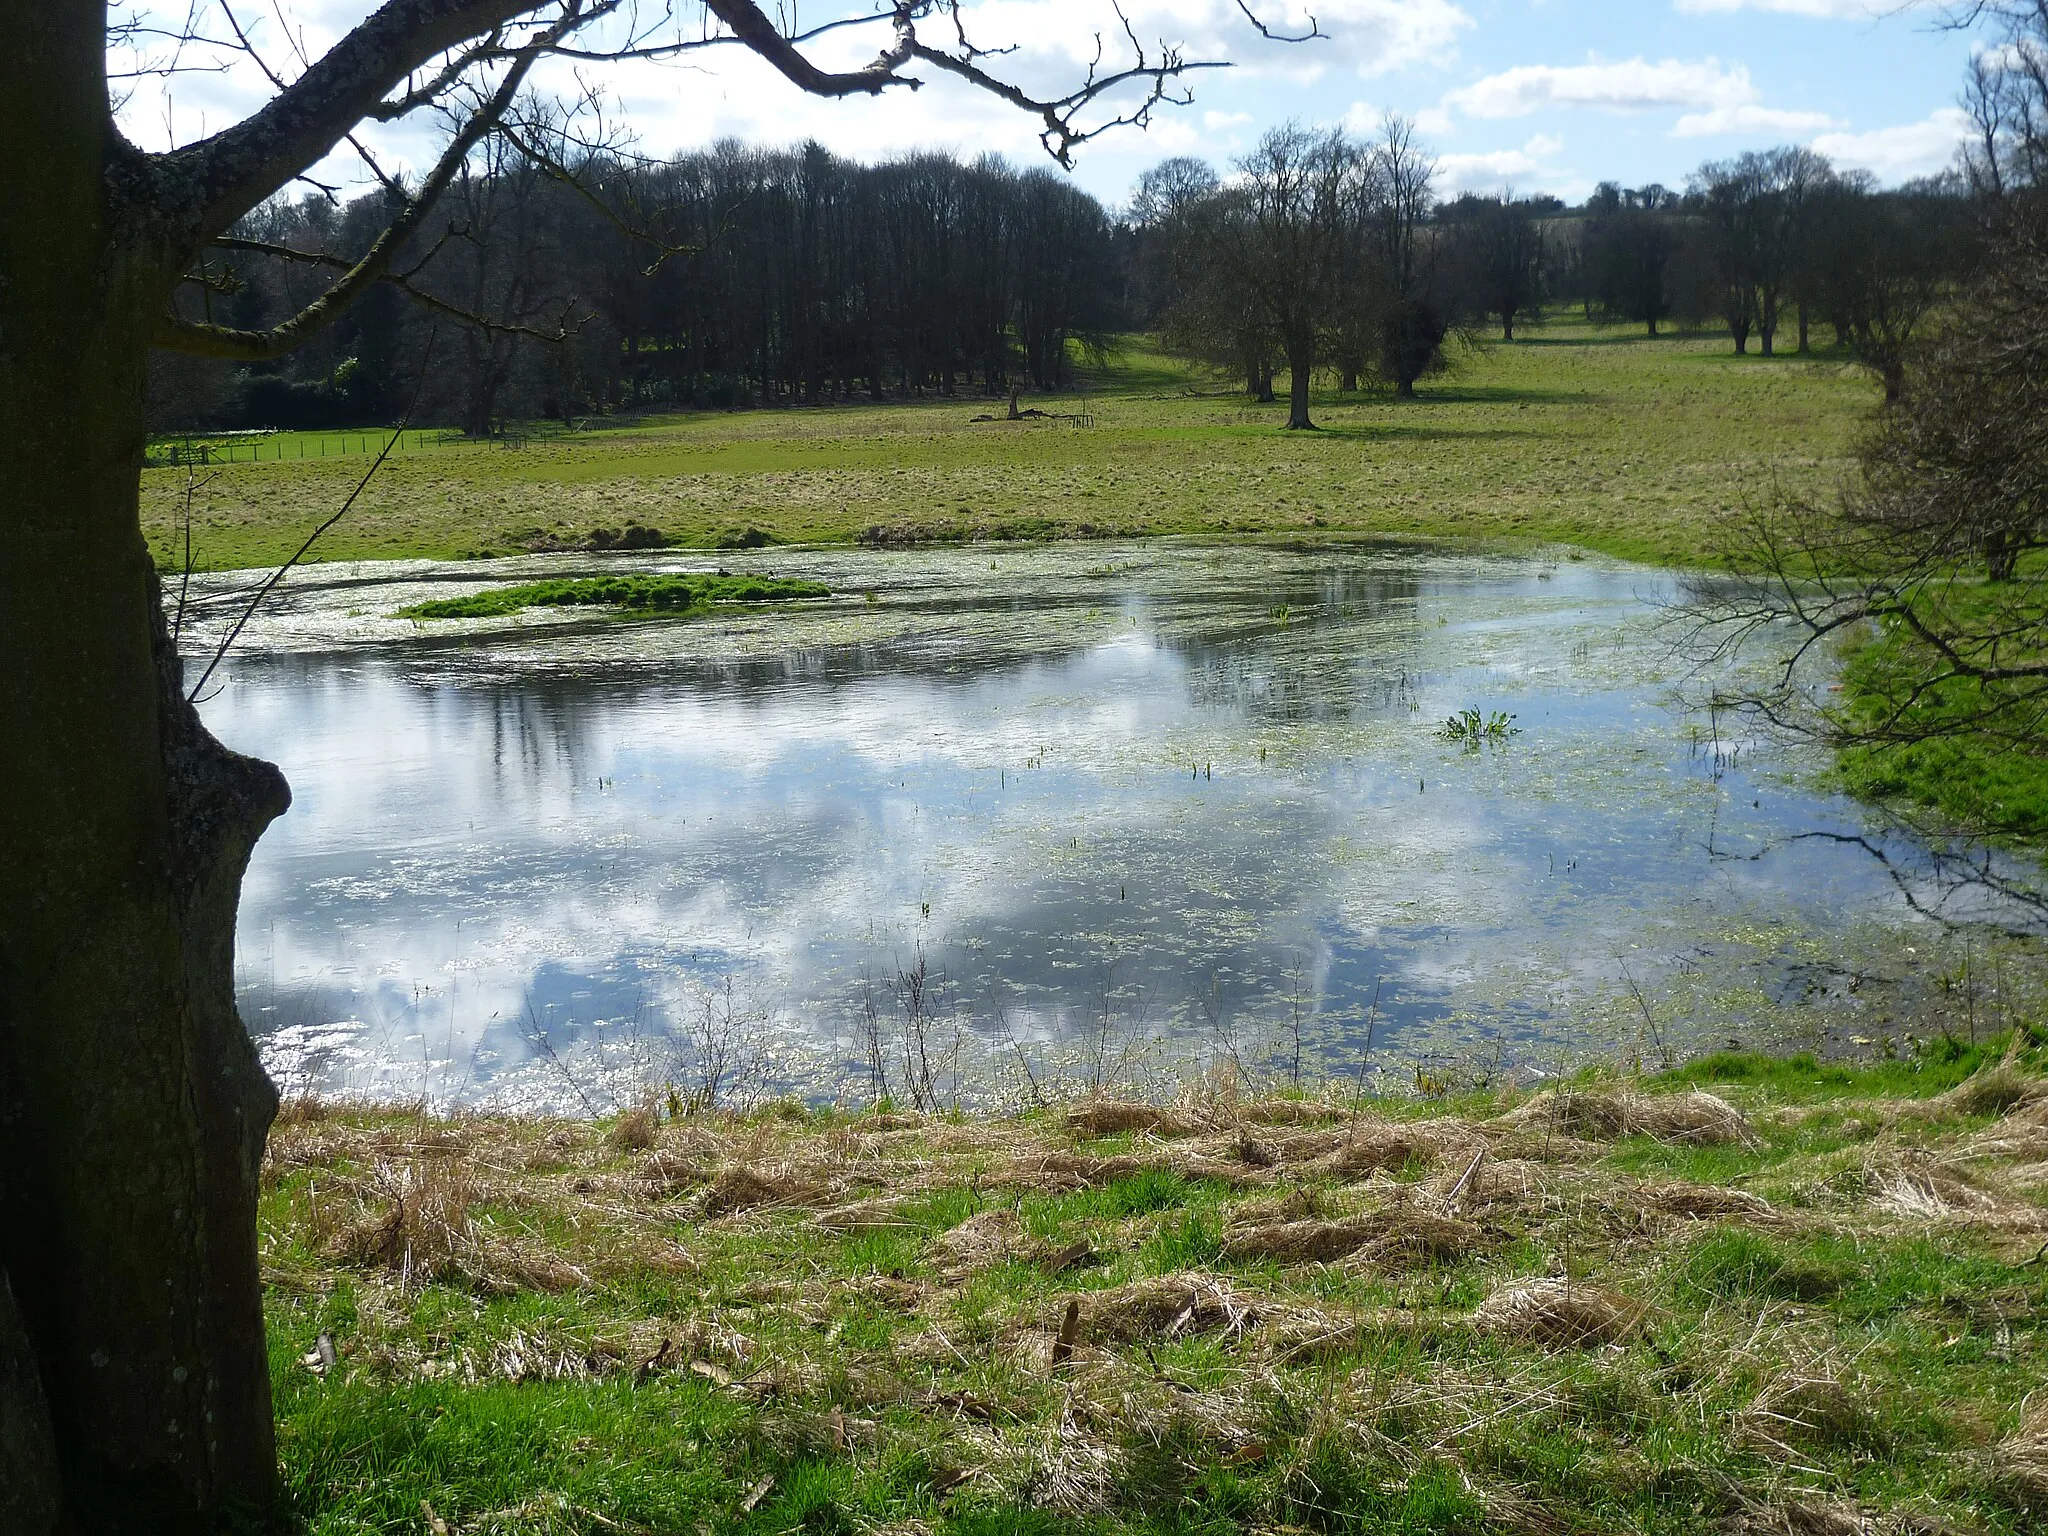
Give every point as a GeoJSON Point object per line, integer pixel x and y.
{"type": "Point", "coordinates": [1273, 258]}
{"type": "Point", "coordinates": [134, 1388]}
{"type": "Point", "coordinates": [1756, 207]}
{"type": "Point", "coordinates": [1880, 263]}
{"type": "Point", "coordinates": [1904, 617]}
{"type": "Point", "coordinates": [1499, 253]}
{"type": "Point", "coordinates": [1204, 309]}
{"type": "Point", "coordinates": [2007, 95]}
{"type": "Point", "coordinates": [1412, 326]}
{"type": "Point", "coordinates": [1297, 243]}
{"type": "Point", "coordinates": [1632, 239]}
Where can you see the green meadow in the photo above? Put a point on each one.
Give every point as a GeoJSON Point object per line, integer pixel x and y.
{"type": "Point", "coordinates": [1749, 1296]}
{"type": "Point", "coordinates": [1577, 434]}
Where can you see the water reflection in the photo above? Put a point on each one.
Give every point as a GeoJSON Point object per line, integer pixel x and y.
{"type": "Point", "coordinates": [1148, 801]}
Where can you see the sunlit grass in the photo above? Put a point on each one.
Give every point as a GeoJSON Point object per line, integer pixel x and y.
{"type": "Point", "coordinates": [1580, 434]}
{"type": "Point", "coordinates": [570, 1330]}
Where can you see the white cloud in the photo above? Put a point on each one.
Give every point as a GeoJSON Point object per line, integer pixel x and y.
{"type": "Point", "coordinates": [1488, 168]}
{"type": "Point", "coordinates": [1383, 36]}
{"type": "Point", "coordinates": [1828, 10]}
{"type": "Point", "coordinates": [1217, 121]}
{"type": "Point", "coordinates": [1630, 85]}
{"type": "Point", "coordinates": [1499, 167]}
{"type": "Point", "coordinates": [1723, 98]}
{"type": "Point", "coordinates": [1362, 118]}
{"type": "Point", "coordinates": [1749, 118]}
{"type": "Point", "coordinates": [1903, 152]}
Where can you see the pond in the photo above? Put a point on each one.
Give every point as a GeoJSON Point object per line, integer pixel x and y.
{"type": "Point", "coordinates": [1016, 819]}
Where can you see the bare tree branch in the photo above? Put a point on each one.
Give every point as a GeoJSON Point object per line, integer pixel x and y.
{"type": "Point", "coordinates": [751, 27]}
{"type": "Point", "coordinates": [182, 335]}
{"type": "Point", "coordinates": [214, 182]}
{"type": "Point", "coordinates": [402, 281]}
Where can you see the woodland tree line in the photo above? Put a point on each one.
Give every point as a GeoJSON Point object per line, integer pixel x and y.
{"type": "Point", "coordinates": [742, 276]}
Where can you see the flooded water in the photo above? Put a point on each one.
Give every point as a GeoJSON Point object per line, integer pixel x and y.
{"type": "Point", "coordinates": [1014, 818]}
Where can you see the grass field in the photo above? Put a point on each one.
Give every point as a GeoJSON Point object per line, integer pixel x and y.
{"type": "Point", "coordinates": [1749, 1296]}
{"type": "Point", "coordinates": [1578, 434]}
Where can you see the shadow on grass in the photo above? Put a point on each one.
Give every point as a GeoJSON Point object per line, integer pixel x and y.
{"type": "Point", "coordinates": [1500, 394]}
{"type": "Point", "coordinates": [1610, 339]}
{"type": "Point", "coordinates": [1381, 429]}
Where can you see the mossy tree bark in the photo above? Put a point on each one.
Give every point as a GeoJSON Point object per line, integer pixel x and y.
{"type": "Point", "coordinates": [134, 1388]}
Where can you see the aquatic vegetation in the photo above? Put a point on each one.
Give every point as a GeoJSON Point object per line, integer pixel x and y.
{"type": "Point", "coordinates": [664, 594]}
{"type": "Point", "coordinates": [1474, 729]}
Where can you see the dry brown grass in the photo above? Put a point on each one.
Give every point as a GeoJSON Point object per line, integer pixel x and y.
{"type": "Point", "coordinates": [1702, 1202]}
{"type": "Point", "coordinates": [738, 1187]}
{"type": "Point", "coordinates": [1561, 1314]}
{"type": "Point", "coordinates": [994, 1237]}
{"type": "Point", "coordinates": [1994, 1091]}
{"type": "Point", "coordinates": [2022, 1133]}
{"type": "Point", "coordinates": [1402, 1233]}
{"type": "Point", "coordinates": [672, 1173]}
{"type": "Point", "coordinates": [1811, 1405]}
{"type": "Point", "coordinates": [2020, 1463]}
{"type": "Point", "coordinates": [1364, 1237]}
{"type": "Point", "coordinates": [1167, 1307]}
{"type": "Point", "coordinates": [1290, 1112]}
{"type": "Point", "coordinates": [634, 1131]}
{"type": "Point", "coordinates": [1370, 1147]}
{"type": "Point", "coordinates": [983, 1239]}
{"type": "Point", "coordinates": [1922, 1189]}
{"type": "Point", "coordinates": [415, 1220]}
{"type": "Point", "coordinates": [1697, 1118]}
{"type": "Point", "coordinates": [1057, 1169]}
{"type": "Point", "coordinates": [1111, 1117]}
{"type": "Point", "coordinates": [1795, 1517]}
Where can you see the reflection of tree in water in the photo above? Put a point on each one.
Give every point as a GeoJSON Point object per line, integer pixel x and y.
{"type": "Point", "coordinates": [1261, 646]}
{"type": "Point", "coordinates": [1955, 879]}
{"type": "Point", "coordinates": [1284, 662]}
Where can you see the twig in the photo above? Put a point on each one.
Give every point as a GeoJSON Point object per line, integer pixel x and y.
{"type": "Point", "coordinates": [278, 575]}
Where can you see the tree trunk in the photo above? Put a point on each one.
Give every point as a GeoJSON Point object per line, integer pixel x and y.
{"type": "Point", "coordinates": [1298, 365]}
{"type": "Point", "coordinates": [132, 1105]}
{"type": "Point", "coordinates": [1507, 325]}
{"type": "Point", "coordinates": [29, 1490]}
{"type": "Point", "coordinates": [1765, 333]}
{"type": "Point", "coordinates": [1805, 325]}
{"type": "Point", "coordinates": [2001, 556]}
{"type": "Point", "coordinates": [1404, 389]}
{"type": "Point", "coordinates": [1265, 391]}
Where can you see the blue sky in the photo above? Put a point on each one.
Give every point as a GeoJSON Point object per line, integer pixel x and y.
{"type": "Point", "coordinates": [1542, 95]}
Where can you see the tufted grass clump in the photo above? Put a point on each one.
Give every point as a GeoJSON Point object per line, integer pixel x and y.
{"type": "Point", "coordinates": [1814, 1304]}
